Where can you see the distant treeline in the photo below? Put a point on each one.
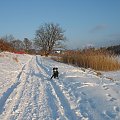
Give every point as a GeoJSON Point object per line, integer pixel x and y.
{"type": "Point", "coordinates": [115, 49]}
{"type": "Point", "coordinates": [15, 45]}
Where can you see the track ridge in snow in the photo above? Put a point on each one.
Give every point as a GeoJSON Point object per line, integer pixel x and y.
{"type": "Point", "coordinates": [6, 95]}
{"type": "Point", "coordinates": [64, 102]}
{"type": "Point", "coordinates": [9, 91]}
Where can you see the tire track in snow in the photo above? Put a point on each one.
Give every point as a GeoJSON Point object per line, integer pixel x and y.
{"type": "Point", "coordinates": [61, 99]}
{"type": "Point", "coordinates": [64, 102]}
{"type": "Point", "coordinates": [6, 94]}
{"type": "Point", "coordinates": [26, 72]}
{"type": "Point", "coordinates": [51, 99]}
{"type": "Point", "coordinates": [54, 103]}
{"type": "Point", "coordinates": [29, 103]}
{"type": "Point", "coordinates": [10, 90]}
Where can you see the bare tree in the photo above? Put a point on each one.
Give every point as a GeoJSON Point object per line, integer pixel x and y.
{"type": "Point", "coordinates": [27, 44]}
{"type": "Point", "coordinates": [17, 44]}
{"type": "Point", "coordinates": [8, 38]}
{"type": "Point", "coordinates": [5, 46]}
{"type": "Point", "coordinates": [49, 36]}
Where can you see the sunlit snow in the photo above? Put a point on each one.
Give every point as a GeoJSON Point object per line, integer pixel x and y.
{"type": "Point", "coordinates": [28, 93]}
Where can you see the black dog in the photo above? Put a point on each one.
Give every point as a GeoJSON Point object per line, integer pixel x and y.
{"type": "Point", "coordinates": [55, 73]}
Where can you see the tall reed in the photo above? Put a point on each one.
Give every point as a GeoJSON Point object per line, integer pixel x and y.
{"type": "Point", "coordinates": [95, 59]}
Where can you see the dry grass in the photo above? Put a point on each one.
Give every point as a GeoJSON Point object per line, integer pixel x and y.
{"type": "Point", "coordinates": [95, 59]}
{"type": "Point", "coordinates": [15, 59]}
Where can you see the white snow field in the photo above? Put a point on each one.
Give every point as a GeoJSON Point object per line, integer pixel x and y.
{"type": "Point", "coordinates": [27, 93]}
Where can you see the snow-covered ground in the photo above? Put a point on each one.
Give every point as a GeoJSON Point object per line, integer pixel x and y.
{"type": "Point", "coordinates": [27, 93]}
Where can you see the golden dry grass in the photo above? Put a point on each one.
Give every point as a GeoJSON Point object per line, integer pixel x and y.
{"type": "Point", "coordinates": [95, 59]}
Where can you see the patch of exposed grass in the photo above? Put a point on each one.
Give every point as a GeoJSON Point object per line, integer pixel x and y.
{"type": "Point", "coordinates": [15, 59]}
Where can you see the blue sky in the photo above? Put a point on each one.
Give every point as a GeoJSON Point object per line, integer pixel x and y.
{"type": "Point", "coordinates": [86, 22]}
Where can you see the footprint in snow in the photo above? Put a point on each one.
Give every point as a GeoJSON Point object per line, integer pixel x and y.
{"type": "Point", "coordinates": [109, 95]}
{"type": "Point", "coordinates": [113, 99]}
{"type": "Point", "coordinates": [92, 103]}
{"type": "Point", "coordinates": [117, 109]}
{"type": "Point", "coordinates": [105, 88]}
{"type": "Point", "coordinates": [109, 114]}
{"type": "Point", "coordinates": [110, 98]}
{"type": "Point", "coordinates": [118, 84]}
{"type": "Point", "coordinates": [83, 93]}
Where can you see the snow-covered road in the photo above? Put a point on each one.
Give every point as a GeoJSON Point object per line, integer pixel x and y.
{"type": "Point", "coordinates": [77, 95]}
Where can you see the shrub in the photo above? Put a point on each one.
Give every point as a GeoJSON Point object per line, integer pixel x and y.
{"type": "Point", "coordinates": [5, 46]}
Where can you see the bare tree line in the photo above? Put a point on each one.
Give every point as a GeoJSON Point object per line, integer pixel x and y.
{"type": "Point", "coordinates": [11, 44]}
{"type": "Point", "coordinates": [48, 36]}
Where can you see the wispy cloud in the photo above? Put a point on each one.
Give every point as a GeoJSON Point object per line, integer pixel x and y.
{"type": "Point", "coordinates": [98, 28]}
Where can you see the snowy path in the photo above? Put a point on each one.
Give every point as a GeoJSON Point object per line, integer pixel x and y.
{"type": "Point", "coordinates": [76, 95]}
